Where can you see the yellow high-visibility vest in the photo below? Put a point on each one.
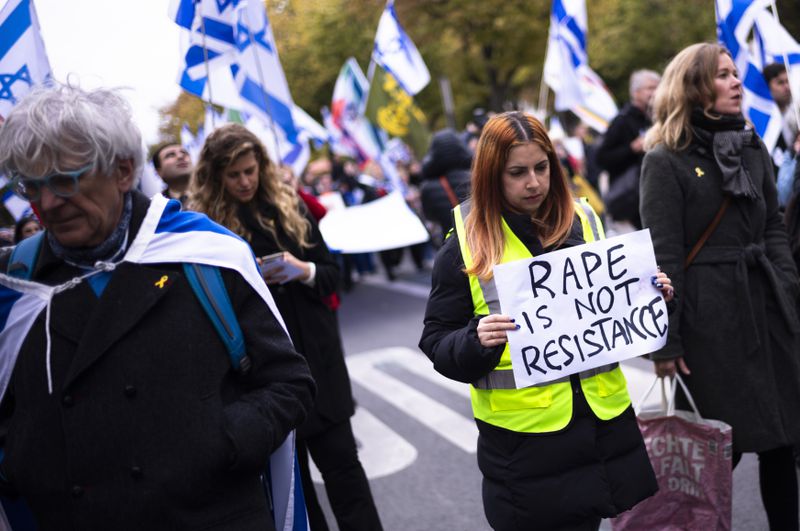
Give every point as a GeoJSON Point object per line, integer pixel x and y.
{"type": "Point", "coordinates": [546, 407]}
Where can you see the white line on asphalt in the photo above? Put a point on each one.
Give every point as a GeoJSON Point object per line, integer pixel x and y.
{"type": "Point", "coordinates": [382, 452]}
{"type": "Point", "coordinates": [449, 424]}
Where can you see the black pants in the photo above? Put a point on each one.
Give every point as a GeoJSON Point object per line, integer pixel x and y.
{"type": "Point", "coordinates": [778, 482]}
{"type": "Point", "coordinates": [335, 454]}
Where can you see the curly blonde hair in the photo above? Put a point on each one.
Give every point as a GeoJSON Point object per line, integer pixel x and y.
{"type": "Point", "coordinates": [207, 193]}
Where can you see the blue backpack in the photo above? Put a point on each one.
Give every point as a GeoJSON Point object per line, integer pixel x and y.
{"type": "Point", "coordinates": [209, 288]}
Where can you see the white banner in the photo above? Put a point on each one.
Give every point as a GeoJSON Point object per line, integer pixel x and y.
{"type": "Point", "coordinates": [386, 223]}
{"type": "Point", "coordinates": [582, 307]}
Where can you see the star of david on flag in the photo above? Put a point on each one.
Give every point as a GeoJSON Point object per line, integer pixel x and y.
{"type": "Point", "coordinates": [396, 53]}
{"type": "Point", "coordinates": [231, 60]}
{"type": "Point", "coordinates": [23, 61]}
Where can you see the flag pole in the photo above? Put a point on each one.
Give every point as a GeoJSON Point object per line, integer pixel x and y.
{"type": "Point", "coordinates": [787, 66]}
{"type": "Point", "coordinates": [261, 79]}
{"type": "Point", "coordinates": [208, 74]}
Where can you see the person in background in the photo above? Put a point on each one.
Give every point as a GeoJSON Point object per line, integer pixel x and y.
{"type": "Point", "coordinates": [237, 185]}
{"type": "Point", "coordinates": [173, 164]}
{"type": "Point", "coordinates": [558, 455]}
{"type": "Point", "coordinates": [622, 146]}
{"type": "Point", "coordinates": [778, 80]}
{"type": "Point", "coordinates": [446, 171]}
{"type": "Point", "coordinates": [734, 331]}
{"type": "Point", "coordinates": [26, 227]}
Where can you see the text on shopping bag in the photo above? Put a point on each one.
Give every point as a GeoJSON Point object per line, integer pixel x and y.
{"type": "Point", "coordinates": [582, 307]}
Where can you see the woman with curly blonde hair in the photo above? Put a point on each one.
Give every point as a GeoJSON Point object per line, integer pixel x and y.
{"type": "Point", "coordinates": [237, 185]}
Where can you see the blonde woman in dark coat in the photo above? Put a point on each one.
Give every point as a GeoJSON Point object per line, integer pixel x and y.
{"type": "Point", "coordinates": [734, 331]}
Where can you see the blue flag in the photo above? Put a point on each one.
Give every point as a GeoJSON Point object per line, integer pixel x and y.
{"type": "Point", "coordinates": [735, 21]}
{"type": "Point", "coordinates": [231, 46]}
{"type": "Point", "coordinates": [23, 61]}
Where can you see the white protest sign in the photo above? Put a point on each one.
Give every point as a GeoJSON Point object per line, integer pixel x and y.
{"type": "Point", "coordinates": [582, 307]}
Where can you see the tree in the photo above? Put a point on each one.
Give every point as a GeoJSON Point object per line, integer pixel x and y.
{"type": "Point", "coordinates": [491, 51]}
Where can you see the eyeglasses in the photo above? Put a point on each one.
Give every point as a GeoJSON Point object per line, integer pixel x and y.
{"type": "Point", "coordinates": [62, 184]}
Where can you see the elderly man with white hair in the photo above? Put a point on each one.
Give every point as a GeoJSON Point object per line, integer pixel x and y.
{"type": "Point", "coordinates": [124, 410]}
{"type": "Point", "coordinates": [622, 149]}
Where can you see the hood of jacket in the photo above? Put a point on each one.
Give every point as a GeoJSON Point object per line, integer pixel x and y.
{"type": "Point", "coordinates": [447, 152]}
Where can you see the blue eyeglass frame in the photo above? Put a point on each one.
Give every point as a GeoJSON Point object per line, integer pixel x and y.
{"type": "Point", "coordinates": [37, 183]}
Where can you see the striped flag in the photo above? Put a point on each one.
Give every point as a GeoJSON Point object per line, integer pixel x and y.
{"type": "Point", "coordinates": [21, 302]}
{"type": "Point", "coordinates": [396, 53]}
{"type": "Point", "coordinates": [231, 45]}
{"type": "Point", "coordinates": [23, 60]}
{"type": "Point", "coordinates": [566, 67]}
{"type": "Point", "coordinates": [735, 21]}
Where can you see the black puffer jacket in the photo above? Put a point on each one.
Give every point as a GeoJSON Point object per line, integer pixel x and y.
{"type": "Point", "coordinates": [448, 156]}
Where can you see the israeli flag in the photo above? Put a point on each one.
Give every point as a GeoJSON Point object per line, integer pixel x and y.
{"type": "Point", "coordinates": [735, 21]}
{"type": "Point", "coordinates": [21, 302]}
{"type": "Point", "coordinates": [23, 60]}
{"type": "Point", "coordinates": [258, 73]}
{"type": "Point", "coordinates": [396, 53]}
{"type": "Point", "coordinates": [232, 60]}
{"type": "Point", "coordinates": [566, 68]}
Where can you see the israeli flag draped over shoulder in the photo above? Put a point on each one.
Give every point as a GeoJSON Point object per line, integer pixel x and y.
{"type": "Point", "coordinates": [167, 235]}
{"type": "Point", "coordinates": [770, 43]}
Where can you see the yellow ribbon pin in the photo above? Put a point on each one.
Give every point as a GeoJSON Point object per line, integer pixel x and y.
{"type": "Point", "coordinates": [160, 282]}
{"type": "Point", "coordinates": [699, 172]}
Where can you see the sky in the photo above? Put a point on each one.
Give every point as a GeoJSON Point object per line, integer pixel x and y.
{"type": "Point", "coordinates": [131, 44]}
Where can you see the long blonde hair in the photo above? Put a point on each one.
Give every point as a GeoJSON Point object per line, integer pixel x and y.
{"type": "Point", "coordinates": [688, 82]}
{"type": "Point", "coordinates": [207, 192]}
{"type": "Point", "coordinates": [484, 226]}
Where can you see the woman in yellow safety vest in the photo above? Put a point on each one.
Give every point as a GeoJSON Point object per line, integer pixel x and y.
{"type": "Point", "coordinates": [559, 455]}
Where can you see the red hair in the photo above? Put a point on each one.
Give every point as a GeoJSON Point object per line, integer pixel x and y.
{"type": "Point", "coordinates": [484, 227]}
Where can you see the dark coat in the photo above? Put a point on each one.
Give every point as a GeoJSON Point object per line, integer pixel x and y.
{"type": "Point", "coordinates": [615, 154]}
{"type": "Point", "coordinates": [734, 321]}
{"type": "Point", "coordinates": [603, 466]}
{"type": "Point", "coordinates": [448, 156]}
{"type": "Point", "coordinates": [312, 325]}
{"type": "Point", "coordinates": [148, 427]}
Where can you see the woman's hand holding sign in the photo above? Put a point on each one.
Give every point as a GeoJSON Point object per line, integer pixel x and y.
{"type": "Point", "coordinates": [668, 368]}
{"type": "Point", "coordinates": [662, 282]}
{"type": "Point", "coordinates": [492, 329]}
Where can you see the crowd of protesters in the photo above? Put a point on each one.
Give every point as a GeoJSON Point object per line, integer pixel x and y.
{"type": "Point", "coordinates": [679, 160]}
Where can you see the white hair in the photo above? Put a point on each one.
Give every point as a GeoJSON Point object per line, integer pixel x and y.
{"type": "Point", "coordinates": [50, 123]}
{"type": "Point", "coordinates": [640, 77]}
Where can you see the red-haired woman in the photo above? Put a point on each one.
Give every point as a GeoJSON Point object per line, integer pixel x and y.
{"type": "Point", "coordinates": [557, 455]}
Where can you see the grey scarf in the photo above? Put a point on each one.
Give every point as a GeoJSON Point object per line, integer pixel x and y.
{"type": "Point", "coordinates": [727, 137]}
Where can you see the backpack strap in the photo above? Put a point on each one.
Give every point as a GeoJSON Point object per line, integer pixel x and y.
{"type": "Point", "coordinates": [24, 256]}
{"type": "Point", "coordinates": [208, 286]}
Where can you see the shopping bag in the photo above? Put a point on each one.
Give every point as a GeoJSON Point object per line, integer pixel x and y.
{"type": "Point", "coordinates": [691, 457]}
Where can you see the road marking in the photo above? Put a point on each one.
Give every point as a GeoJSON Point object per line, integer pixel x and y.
{"type": "Point", "coordinates": [405, 287]}
{"type": "Point", "coordinates": [450, 425]}
{"type": "Point", "coordinates": [381, 450]}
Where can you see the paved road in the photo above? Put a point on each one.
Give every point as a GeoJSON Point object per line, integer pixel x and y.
{"type": "Point", "coordinates": [415, 429]}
